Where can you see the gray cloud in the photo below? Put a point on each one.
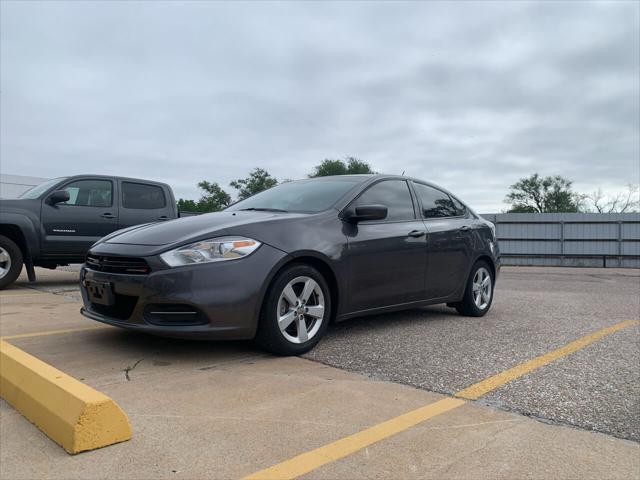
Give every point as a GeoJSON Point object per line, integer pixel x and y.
{"type": "Point", "coordinates": [469, 95]}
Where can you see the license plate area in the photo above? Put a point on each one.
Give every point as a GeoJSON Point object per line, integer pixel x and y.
{"type": "Point", "coordinates": [100, 293]}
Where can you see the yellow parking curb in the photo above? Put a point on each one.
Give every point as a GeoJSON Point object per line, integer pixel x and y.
{"type": "Point", "coordinates": [71, 413]}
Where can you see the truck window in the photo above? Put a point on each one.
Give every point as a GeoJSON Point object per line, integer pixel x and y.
{"type": "Point", "coordinates": [89, 193]}
{"type": "Point", "coordinates": [141, 196]}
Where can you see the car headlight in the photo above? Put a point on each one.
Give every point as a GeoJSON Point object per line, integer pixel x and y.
{"type": "Point", "coordinates": [211, 250]}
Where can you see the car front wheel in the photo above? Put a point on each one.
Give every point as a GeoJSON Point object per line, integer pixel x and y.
{"type": "Point", "coordinates": [296, 312]}
{"type": "Point", "coordinates": [10, 261]}
{"type": "Point", "coordinates": [478, 293]}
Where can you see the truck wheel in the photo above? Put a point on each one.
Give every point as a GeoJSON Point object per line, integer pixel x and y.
{"type": "Point", "coordinates": [10, 261]}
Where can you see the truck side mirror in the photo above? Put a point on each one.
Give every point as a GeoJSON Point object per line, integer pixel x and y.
{"type": "Point", "coordinates": [58, 196]}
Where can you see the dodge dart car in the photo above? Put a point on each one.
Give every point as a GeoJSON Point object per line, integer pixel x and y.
{"type": "Point", "coordinates": [281, 265]}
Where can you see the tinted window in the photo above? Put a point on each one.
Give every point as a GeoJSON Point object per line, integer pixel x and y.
{"type": "Point", "coordinates": [393, 194]}
{"type": "Point", "coordinates": [309, 196]}
{"type": "Point", "coordinates": [139, 195]}
{"type": "Point", "coordinates": [460, 208]}
{"type": "Point", "coordinates": [89, 193]}
{"type": "Point", "coordinates": [435, 203]}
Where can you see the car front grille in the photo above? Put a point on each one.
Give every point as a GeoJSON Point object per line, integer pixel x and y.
{"type": "Point", "coordinates": [101, 263]}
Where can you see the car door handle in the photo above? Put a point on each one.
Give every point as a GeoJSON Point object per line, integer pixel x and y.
{"type": "Point", "coordinates": [465, 228]}
{"type": "Point", "coordinates": [416, 233]}
{"type": "Point", "coordinates": [108, 215]}
{"type": "Point", "coordinates": [163, 218]}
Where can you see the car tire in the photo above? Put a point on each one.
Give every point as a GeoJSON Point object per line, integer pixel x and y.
{"type": "Point", "coordinates": [10, 261]}
{"type": "Point", "coordinates": [280, 330]}
{"type": "Point", "coordinates": [478, 294]}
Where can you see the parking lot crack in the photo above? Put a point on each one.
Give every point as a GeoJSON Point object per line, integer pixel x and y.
{"type": "Point", "coordinates": [130, 368]}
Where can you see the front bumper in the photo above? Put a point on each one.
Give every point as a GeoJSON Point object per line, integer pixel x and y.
{"type": "Point", "coordinates": [226, 296]}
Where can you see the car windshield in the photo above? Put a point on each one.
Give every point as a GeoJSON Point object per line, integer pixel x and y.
{"type": "Point", "coordinates": [305, 196]}
{"type": "Point", "coordinates": [38, 190]}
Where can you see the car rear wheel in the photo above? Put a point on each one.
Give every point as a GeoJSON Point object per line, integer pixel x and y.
{"type": "Point", "coordinates": [478, 294]}
{"type": "Point", "coordinates": [10, 261]}
{"type": "Point", "coordinates": [296, 312]}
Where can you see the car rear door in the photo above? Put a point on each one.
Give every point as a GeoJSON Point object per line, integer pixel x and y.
{"type": "Point", "coordinates": [143, 203]}
{"type": "Point", "coordinates": [387, 258]}
{"type": "Point", "coordinates": [70, 228]}
{"type": "Point", "coordinates": [448, 241]}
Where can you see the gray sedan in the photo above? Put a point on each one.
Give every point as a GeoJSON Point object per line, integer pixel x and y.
{"type": "Point", "coordinates": [283, 264]}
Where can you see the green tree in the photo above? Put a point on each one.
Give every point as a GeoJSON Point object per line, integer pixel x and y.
{"type": "Point", "coordinates": [350, 165]}
{"type": "Point", "coordinates": [536, 194]}
{"type": "Point", "coordinates": [213, 199]}
{"type": "Point", "coordinates": [185, 205]}
{"type": "Point", "coordinates": [257, 181]}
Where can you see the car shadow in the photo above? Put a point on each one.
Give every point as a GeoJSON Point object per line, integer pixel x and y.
{"type": "Point", "coordinates": [393, 320]}
{"type": "Point", "coordinates": [47, 280]}
{"type": "Point", "coordinates": [130, 343]}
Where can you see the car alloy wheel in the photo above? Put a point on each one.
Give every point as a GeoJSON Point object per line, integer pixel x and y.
{"type": "Point", "coordinates": [301, 310]}
{"type": "Point", "coordinates": [482, 288]}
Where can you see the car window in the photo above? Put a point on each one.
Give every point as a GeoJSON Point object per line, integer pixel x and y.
{"type": "Point", "coordinates": [308, 196]}
{"type": "Point", "coordinates": [435, 203]}
{"type": "Point", "coordinates": [459, 206]}
{"type": "Point", "coordinates": [142, 196]}
{"type": "Point", "coordinates": [393, 194]}
{"type": "Point", "coordinates": [89, 193]}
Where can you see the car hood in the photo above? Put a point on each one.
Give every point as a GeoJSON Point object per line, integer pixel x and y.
{"type": "Point", "coordinates": [194, 228]}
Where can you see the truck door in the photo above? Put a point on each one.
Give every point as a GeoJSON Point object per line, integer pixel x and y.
{"type": "Point", "coordinates": [143, 203]}
{"type": "Point", "coordinates": [70, 228]}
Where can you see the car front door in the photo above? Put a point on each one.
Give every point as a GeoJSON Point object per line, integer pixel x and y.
{"type": "Point", "coordinates": [448, 240]}
{"type": "Point", "coordinates": [70, 228]}
{"type": "Point", "coordinates": [387, 258]}
{"type": "Point", "coordinates": [143, 203]}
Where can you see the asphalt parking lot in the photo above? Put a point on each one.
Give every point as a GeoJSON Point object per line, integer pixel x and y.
{"type": "Point", "coordinates": [228, 410]}
{"type": "Point", "coordinates": [535, 310]}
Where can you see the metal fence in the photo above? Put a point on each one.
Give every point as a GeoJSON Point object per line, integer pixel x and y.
{"type": "Point", "coordinates": [569, 239]}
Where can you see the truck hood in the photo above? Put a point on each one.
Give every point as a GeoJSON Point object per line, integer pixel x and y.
{"type": "Point", "coordinates": [192, 229]}
{"type": "Point", "coordinates": [19, 205]}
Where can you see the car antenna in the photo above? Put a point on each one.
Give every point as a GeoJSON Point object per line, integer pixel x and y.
{"type": "Point", "coordinates": [403, 173]}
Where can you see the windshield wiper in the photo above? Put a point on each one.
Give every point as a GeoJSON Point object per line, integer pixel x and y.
{"type": "Point", "coordinates": [263, 209]}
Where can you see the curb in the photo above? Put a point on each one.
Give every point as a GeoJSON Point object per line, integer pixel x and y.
{"type": "Point", "coordinates": [72, 414]}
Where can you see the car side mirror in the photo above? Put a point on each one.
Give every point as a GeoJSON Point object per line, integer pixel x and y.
{"type": "Point", "coordinates": [367, 212]}
{"type": "Point", "coordinates": [58, 196]}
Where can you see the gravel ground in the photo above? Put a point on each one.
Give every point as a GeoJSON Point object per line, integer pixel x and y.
{"type": "Point", "coordinates": [535, 310]}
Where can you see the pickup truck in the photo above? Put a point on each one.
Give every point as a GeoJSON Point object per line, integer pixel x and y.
{"type": "Point", "coordinates": [56, 222]}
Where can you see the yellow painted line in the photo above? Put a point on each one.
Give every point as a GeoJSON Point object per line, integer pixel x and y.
{"type": "Point", "coordinates": [18, 291]}
{"type": "Point", "coordinates": [21, 293]}
{"type": "Point", "coordinates": [72, 414]}
{"type": "Point", "coordinates": [53, 332]}
{"type": "Point", "coordinates": [479, 389]}
{"type": "Point", "coordinates": [313, 459]}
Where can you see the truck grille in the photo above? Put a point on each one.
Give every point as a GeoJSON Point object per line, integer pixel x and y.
{"type": "Point", "coordinates": [136, 266]}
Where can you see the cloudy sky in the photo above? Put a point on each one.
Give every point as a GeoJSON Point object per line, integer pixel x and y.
{"type": "Point", "coordinates": [469, 95]}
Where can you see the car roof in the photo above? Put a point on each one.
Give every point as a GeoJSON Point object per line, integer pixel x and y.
{"type": "Point", "coordinates": [371, 177]}
{"type": "Point", "coordinates": [368, 178]}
